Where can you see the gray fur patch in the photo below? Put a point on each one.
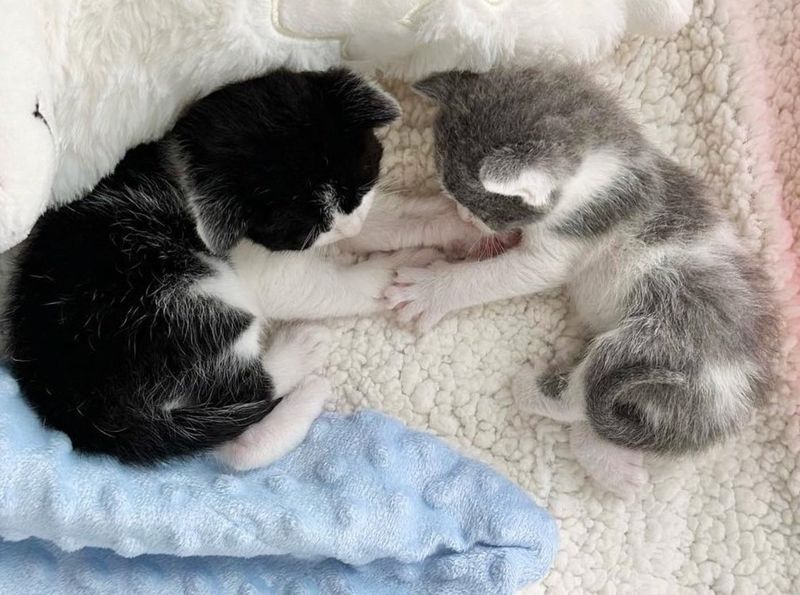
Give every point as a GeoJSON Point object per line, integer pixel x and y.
{"type": "Point", "coordinates": [627, 197]}
{"type": "Point", "coordinates": [679, 210]}
{"type": "Point", "coordinates": [552, 385]}
{"type": "Point", "coordinates": [645, 385]}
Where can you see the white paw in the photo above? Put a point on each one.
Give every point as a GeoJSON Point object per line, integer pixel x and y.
{"type": "Point", "coordinates": [524, 389]}
{"type": "Point", "coordinates": [23, 198]}
{"type": "Point", "coordinates": [241, 454]}
{"type": "Point", "coordinates": [418, 296]}
{"type": "Point", "coordinates": [27, 149]}
{"type": "Point", "coordinates": [281, 431]}
{"type": "Point", "coordinates": [296, 352]}
{"type": "Point", "coordinates": [619, 470]}
{"type": "Point", "coordinates": [371, 277]}
{"type": "Point", "coordinates": [312, 344]}
{"type": "Point", "coordinates": [311, 395]}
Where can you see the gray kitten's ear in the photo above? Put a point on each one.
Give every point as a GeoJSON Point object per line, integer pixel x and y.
{"type": "Point", "coordinates": [441, 85]}
{"type": "Point", "coordinates": [507, 171]}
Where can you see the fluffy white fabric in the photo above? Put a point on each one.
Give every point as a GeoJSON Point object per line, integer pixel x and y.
{"type": "Point", "coordinates": [410, 38]}
{"type": "Point", "coordinates": [109, 75]}
{"type": "Point", "coordinates": [723, 522]}
{"type": "Point", "coordinates": [27, 151]}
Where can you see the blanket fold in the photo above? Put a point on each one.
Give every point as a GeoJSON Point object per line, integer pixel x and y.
{"type": "Point", "coordinates": [364, 503]}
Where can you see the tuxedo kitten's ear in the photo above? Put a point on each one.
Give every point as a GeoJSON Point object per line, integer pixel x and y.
{"type": "Point", "coordinates": [220, 223]}
{"type": "Point", "coordinates": [507, 171]}
{"type": "Point", "coordinates": [364, 103]}
{"type": "Point", "coordinates": [441, 85]}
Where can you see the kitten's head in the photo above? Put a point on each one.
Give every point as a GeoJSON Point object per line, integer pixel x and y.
{"type": "Point", "coordinates": [288, 160]}
{"type": "Point", "coordinates": [506, 140]}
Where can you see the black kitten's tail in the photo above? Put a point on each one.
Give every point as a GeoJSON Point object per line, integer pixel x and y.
{"type": "Point", "coordinates": [169, 416]}
{"type": "Point", "coordinates": [146, 437]}
{"type": "Point", "coordinates": [187, 430]}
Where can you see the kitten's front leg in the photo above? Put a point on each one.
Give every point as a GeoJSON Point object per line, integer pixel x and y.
{"type": "Point", "coordinates": [395, 223]}
{"type": "Point", "coordinates": [365, 281]}
{"type": "Point", "coordinates": [426, 295]}
{"type": "Point", "coordinates": [307, 286]}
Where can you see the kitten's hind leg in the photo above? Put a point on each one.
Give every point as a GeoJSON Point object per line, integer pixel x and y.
{"type": "Point", "coordinates": [619, 470]}
{"type": "Point", "coordinates": [295, 352]}
{"type": "Point", "coordinates": [558, 396]}
{"type": "Point", "coordinates": [281, 431]}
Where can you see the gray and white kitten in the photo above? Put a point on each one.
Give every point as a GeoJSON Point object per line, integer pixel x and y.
{"type": "Point", "coordinates": [682, 319]}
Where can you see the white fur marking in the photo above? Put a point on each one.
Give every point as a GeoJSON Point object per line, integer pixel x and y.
{"type": "Point", "coordinates": [347, 226]}
{"type": "Point", "coordinates": [598, 170]}
{"type": "Point", "coordinates": [532, 185]}
{"type": "Point", "coordinates": [350, 225]}
{"type": "Point", "coordinates": [226, 286]}
{"type": "Point", "coordinates": [177, 163]}
{"type": "Point", "coordinates": [729, 383]}
{"type": "Point", "coordinates": [248, 344]}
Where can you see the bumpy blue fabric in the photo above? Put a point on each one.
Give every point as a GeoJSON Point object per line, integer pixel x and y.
{"type": "Point", "coordinates": [364, 505]}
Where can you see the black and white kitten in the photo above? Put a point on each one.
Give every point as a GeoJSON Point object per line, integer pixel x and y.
{"type": "Point", "coordinates": [682, 319]}
{"type": "Point", "coordinates": [138, 315]}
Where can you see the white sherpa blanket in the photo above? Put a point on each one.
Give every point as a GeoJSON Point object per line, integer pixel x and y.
{"type": "Point", "coordinates": [722, 522]}
{"type": "Point", "coordinates": [725, 521]}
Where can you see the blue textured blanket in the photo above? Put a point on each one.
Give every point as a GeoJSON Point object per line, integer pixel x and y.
{"type": "Point", "coordinates": [364, 505]}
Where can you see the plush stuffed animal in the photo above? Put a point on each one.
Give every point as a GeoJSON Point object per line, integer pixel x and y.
{"type": "Point", "coordinates": [81, 81]}
{"type": "Point", "coordinates": [412, 38]}
{"type": "Point", "coordinates": [27, 143]}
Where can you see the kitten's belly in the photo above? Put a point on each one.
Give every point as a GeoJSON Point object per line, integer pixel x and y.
{"type": "Point", "coordinates": [598, 289]}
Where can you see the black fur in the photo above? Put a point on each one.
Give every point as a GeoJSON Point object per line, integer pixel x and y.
{"type": "Point", "coordinates": [108, 339]}
{"type": "Point", "coordinates": [318, 133]}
